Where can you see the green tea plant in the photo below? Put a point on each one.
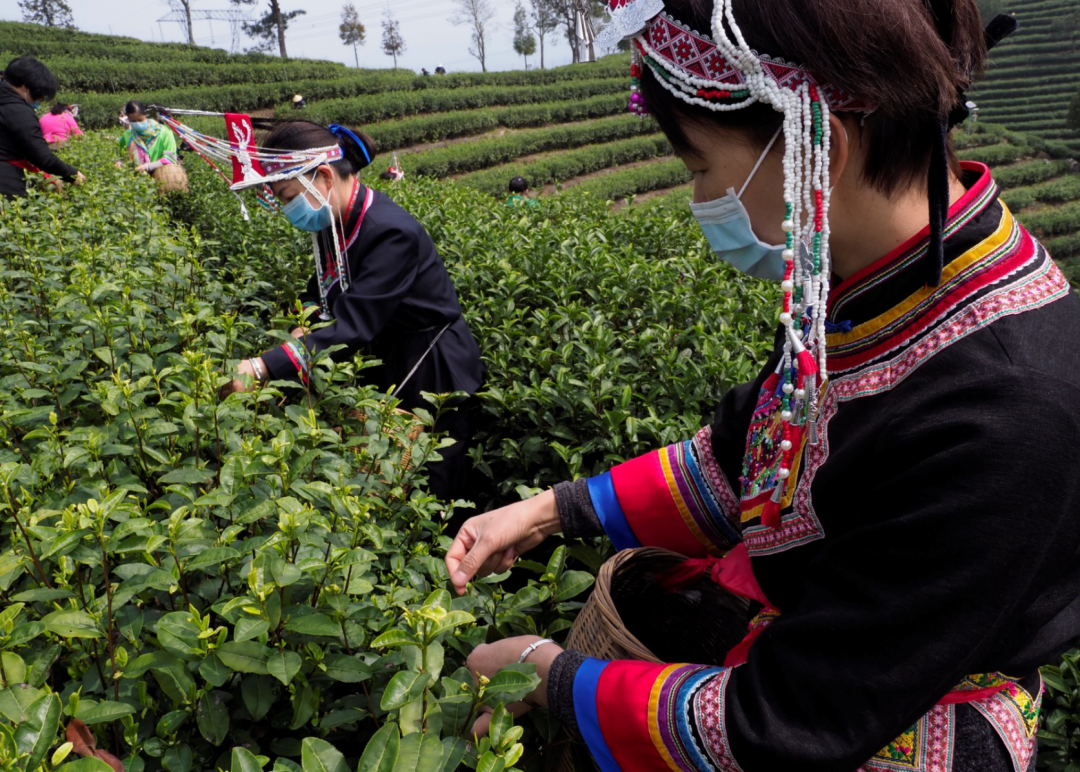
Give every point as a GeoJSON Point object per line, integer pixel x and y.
{"type": "Point", "coordinates": [562, 165]}
{"type": "Point", "coordinates": [483, 153]}
{"type": "Point", "coordinates": [394, 104]}
{"type": "Point", "coordinates": [391, 135]}
{"type": "Point", "coordinates": [622, 183]}
{"type": "Point", "coordinates": [207, 583]}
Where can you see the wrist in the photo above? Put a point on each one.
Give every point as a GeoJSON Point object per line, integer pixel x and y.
{"type": "Point", "coordinates": [258, 368]}
{"type": "Point", "coordinates": [545, 515]}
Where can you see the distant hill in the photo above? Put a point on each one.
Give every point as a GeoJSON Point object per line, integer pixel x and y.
{"type": "Point", "coordinates": [1034, 74]}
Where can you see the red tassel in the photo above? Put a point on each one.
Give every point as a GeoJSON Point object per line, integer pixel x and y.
{"type": "Point", "coordinates": [770, 514]}
{"type": "Point", "coordinates": [807, 365]}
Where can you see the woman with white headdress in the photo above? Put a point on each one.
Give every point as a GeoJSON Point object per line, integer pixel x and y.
{"type": "Point", "coordinates": [893, 500]}
{"type": "Point", "coordinates": [378, 280]}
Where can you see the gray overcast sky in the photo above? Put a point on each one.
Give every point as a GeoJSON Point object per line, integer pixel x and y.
{"type": "Point", "coordinates": [429, 36]}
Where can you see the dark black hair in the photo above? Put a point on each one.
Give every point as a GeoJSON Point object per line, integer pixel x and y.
{"type": "Point", "coordinates": [909, 58]}
{"type": "Point", "coordinates": [387, 175]}
{"type": "Point", "coordinates": [134, 106]}
{"type": "Point", "coordinates": [59, 108]}
{"type": "Point", "coordinates": [28, 71]}
{"type": "Point", "coordinates": [305, 135]}
{"type": "Point", "coordinates": [519, 185]}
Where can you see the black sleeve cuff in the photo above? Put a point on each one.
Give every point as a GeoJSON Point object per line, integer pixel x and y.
{"type": "Point", "coordinates": [560, 689]}
{"type": "Point", "coordinates": [279, 366]}
{"type": "Point", "coordinates": [576, 511]}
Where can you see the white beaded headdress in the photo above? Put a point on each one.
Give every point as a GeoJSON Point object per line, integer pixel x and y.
{"type": "Point", "coordinates": [722, 73]}
{"type": "Point", "coordinates": [256, 167]}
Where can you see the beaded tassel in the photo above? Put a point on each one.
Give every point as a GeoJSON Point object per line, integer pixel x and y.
{"type": "Point", "coordinates": [743, 77]}
{"type": "Point", "coordinates": [340, 264]}
{"type": "Point", "coordinates": [637, 99]}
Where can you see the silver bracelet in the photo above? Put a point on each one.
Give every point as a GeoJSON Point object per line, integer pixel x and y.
{"type": "Point", "coordinates": [533, 647]}
{"type": "Point", "coordinates": [258, 370]}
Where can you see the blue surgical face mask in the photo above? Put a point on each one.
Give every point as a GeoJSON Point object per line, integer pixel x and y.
{"type": "Point", "coordinates": [35, 105]}
{"type": "Point", "coordinates": [306, 217]}
{"type": "Point", "coordinates": [139, 125]}
{"type": "Point", "coordinates": [727, 227]}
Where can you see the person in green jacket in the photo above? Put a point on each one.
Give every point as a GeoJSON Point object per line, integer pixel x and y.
{"type": "Point", "coordinates": [149, 144]}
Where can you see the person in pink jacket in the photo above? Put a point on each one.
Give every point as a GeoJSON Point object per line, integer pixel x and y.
{"type": "Point", "coordinates": [58, 125]}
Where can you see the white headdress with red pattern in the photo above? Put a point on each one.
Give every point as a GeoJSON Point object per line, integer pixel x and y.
{"type": "Point", "coordinates": [255, 167]}
{"type": "Point", "coordinates": [721, 72]}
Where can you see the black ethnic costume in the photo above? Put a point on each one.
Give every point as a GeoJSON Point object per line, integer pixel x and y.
{"type": "Point", "coordinates": [400, 307]}
{"type": "Point", "coordinates": [924, 562]}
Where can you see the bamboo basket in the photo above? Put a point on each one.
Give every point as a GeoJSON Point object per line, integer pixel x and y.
{"type": "Point", "coordinates": [630, 616]}
{"type": "Point", "coordinates": [171, 177]}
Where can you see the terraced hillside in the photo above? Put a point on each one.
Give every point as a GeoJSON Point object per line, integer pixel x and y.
{"type": "Point", "coordinates": [1035, 73]}
{"type": "Point", "coordinates": [1040, 182]}
{"type": "Point", "coordinates": [565, 128]}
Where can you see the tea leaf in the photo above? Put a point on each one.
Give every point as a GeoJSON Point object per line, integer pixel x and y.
{"type": "Point", "coordinates": [284, 665]}
{"type": "Point", "coordinates": [320, 756]}
{"type": "Point", "coordinates": [72, 624]}
{"type": "Point", "coordinates": [381, 751]}
{"type": "Point", "coordinates": [244, 656]}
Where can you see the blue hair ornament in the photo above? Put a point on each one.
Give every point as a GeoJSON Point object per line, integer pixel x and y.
{"type": "Point", "coordinates": [341, 132]}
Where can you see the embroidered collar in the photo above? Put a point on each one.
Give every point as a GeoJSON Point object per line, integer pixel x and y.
{"type": "Point", "coordinates": [888, 303]}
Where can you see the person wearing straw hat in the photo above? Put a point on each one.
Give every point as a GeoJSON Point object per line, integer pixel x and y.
{"type": "Point", "coordinates": [379, 281]}
{"type": "Point", "coordinates": [894, 498]}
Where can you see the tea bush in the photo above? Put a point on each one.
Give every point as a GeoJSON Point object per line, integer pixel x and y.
{"type": "Point", "coordinates": [483, 153]}
{"type": "Point", "coordinates": [80, 74]}
{"type": "Point", "coordinates": [391, 135]}
{"type": "Point", "coordinates": [259, 581]}
{"type": "Point", "coordinates": [401, 103]}
{"type": "Point", "coordinates": [561, 166]}
{"type": "Point", "coordinates": [621, 183]}
{"type": "Point", "coordinates": [205, 582]}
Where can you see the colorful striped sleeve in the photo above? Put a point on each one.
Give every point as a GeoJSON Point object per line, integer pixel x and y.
{"type": "Point", "coordinates": [676, 497]}
{"type": "Point", "coordinates": [644, 717]}
{"type": "Point", "coordinates": [289, 360]}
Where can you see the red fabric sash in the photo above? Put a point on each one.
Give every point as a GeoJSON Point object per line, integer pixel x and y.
{"type": "Point", "coordinates": [26, 166]}
{"type": "Point", "coordinates": [735, 574]}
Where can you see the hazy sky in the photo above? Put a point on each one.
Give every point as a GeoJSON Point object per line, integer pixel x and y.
{"type": "Point", "coordinates": [429, 36]}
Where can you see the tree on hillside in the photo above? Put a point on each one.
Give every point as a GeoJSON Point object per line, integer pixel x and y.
{"type": "Point", "coordinates": [545, 20]}
{"type": "Point", "coordinates": [393, 43]}
{"type": "Point", "coordinates": [51, 13]}
{"type": "Point", "coordinates": [477, 15]}
{"type": "Point", "coordinates": [524, 40]}
{"type": "Point", "coordinates": [271, 27]}
{"type": "Point", "coordinates": [351, 31]}
{"type": "Point", "coordinates": [184, 7]}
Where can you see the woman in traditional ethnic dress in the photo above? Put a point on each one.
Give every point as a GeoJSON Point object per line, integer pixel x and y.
{"type": "Point", "coordinates": [390, 297]}
{"type": "Point", "coordinates": [149, 144]}
{"type": "Point", "coordinates": [895, 495]}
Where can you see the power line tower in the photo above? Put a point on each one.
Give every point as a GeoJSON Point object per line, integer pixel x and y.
{"type": "Point", "coordinates": [235, 18]}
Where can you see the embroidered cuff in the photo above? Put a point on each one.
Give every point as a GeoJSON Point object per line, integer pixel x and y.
{"type": "Point", "coordinates": [576, 512]}
{"type": "Point", "coordinates": [287, 361]}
